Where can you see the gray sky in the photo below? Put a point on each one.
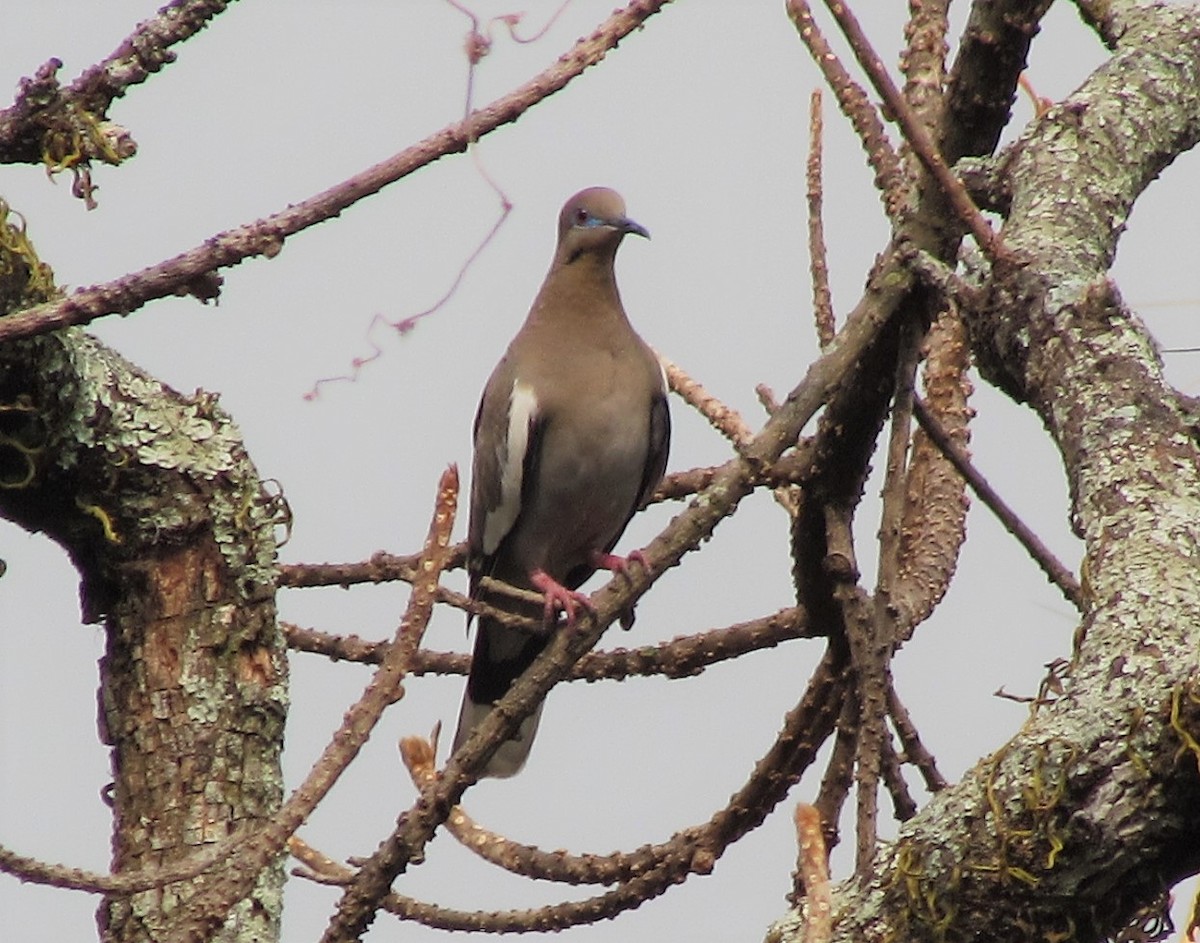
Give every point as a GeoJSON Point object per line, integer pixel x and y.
{"type": "Point", "coordinates": [700, 121]}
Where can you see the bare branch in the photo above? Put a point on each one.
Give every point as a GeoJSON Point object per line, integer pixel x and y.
{"type": "Point", "coordinates": [839, 772]}
{"type": "Point", "coordinates": [725, 419]}
{"type": "Point", "coordinates": [904, 807]}
{"type": "Point", "coordinates": [145, 51]}
{"type": "Point", "coordinates": [869, 654]}
{"type": "Point", "coordinates": [818, 262]}
{"type": "Point", "coordinates": [353, 648]}
{"type": "Point", "coordinates": [805, 729]}
{"type": "Point", "coordinates": [933, 524]}
{"type": "Point", "coordinates": [924, 60]}
{"type": "Point", "coordinates": [894, 488]}
{"type": "Point", "coordinates": [991, 55]}
{"type": "Point", "coordinates": [382, 567]}
{"type": "Point", "coordinates": [527, 860]}
{"type": "Point", "coordinates": [690, 654]}
{"type": "Point", "coordinates": [1076, 822]}
{"type": "Point", "coordinates": [33, 871]}
{"type": "Point", "coordinates": [852, 100]}
{"type": "Point", "coordinates": [914, 750]}
{"type": "Point", "coordinates": [1059, 575]}
{"type": "Point", "coordinates": [887, 286]}
{"type": "Point", "coordinates": [691, 851]}
{"type": "Point", "coordinates": [681, 657]}
{"type": "Point", "coordinates": [64, 127]}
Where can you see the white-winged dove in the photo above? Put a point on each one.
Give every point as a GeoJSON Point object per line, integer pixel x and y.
{"type": "Point", "coordinates": [571, 439]}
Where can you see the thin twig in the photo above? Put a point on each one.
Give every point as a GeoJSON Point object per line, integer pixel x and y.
{"type": "Point", "coordinates": [915, 751]}
{"type": "Point", "coordinates": [839, 772]}
{"type": "Point", "coordinates": [818, 261]}
{"type": "Point", "coordinates": [354, 649]}
{"type": "Point", "coordinates": [145, 51]}
{"type": "Point", "coordinates": [766, 397]}
{"type": "Point", "coordinates": [1059, 575]}
{"type": "Point", "coordinates": [869, 656]}
{"type": "Point", "coordinates": [722, 417]}
{"type": "Point", "coordinates": [680, 657]}
{"type": "Point", "coordinates": [903, 805]}
{"type": "Point", "coordinates": [553, 917]}
{"type": "Point", "coordinates": [691, 654]}
{"type": "Point", "coordinates": [43, 109]}
{"type": "Point", "coordinates": [527, 860]}
{"type": "Point", "coordinates": [33, 871]}
{"type": "Point", "coordinates": [319, 864]}
{"type": "Point", "coordinates": [381, 567]}
{"type": "Point", "coordinates": [725, 419]}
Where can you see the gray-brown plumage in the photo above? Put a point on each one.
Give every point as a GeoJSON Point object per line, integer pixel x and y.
{"type": "Point", "coordinates": [571, 438]}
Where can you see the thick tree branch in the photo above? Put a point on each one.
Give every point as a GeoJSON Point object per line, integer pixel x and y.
{"type": "Point", "coordinates": [153, 497]}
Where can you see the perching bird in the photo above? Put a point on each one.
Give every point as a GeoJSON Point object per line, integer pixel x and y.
{"type": "Point", "coordinates": [571, 439]}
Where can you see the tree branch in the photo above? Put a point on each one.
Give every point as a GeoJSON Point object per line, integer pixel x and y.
{"type": "Point", "coordinates": [43, 111]}
{"type": "Point", "coordinates": [681, 657]}
{"type": "Point", "coordinates": [1058, 574]}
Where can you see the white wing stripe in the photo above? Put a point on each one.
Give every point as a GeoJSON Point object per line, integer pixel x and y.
{"type": "Point", "coordinates": [510, 459]}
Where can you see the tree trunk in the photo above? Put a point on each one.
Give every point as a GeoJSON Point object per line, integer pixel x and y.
{"type": "Point", "coordinates": [152, 495]}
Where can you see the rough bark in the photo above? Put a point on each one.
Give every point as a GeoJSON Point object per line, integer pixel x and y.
{"type": "Point", "coordinates": [154, 498]}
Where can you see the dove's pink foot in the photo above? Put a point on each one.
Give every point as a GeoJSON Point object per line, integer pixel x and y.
{"type": "Point", "coordinates": [559, 598]}
{"type": "Point", "coordinates": [618, 564]}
